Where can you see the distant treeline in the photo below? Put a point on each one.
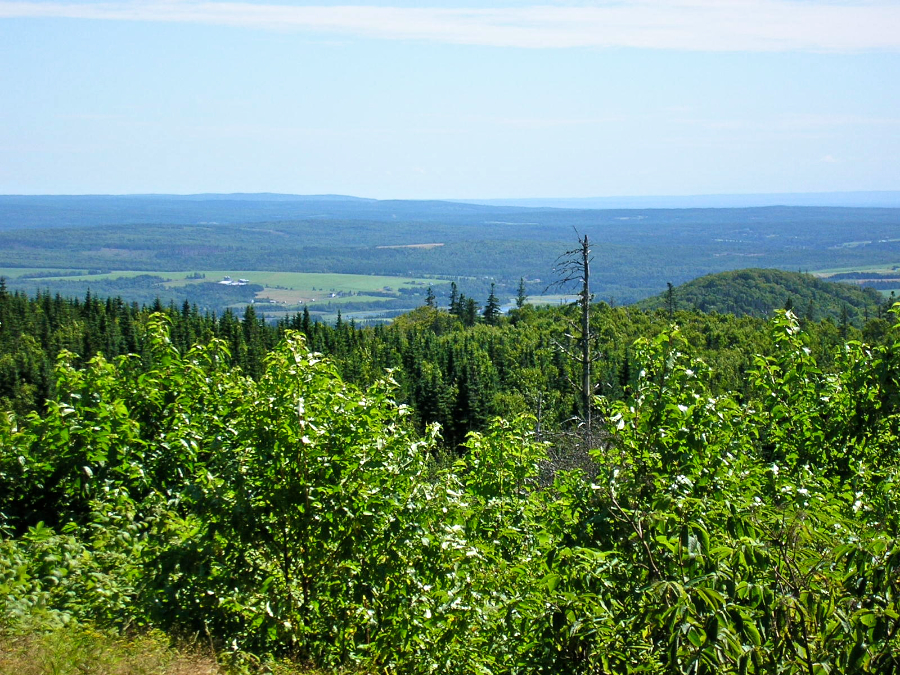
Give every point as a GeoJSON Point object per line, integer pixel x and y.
{"type": "Point", "coordinates": [635, 251]}
{"type": "Point", "coordinates": [457, 370]}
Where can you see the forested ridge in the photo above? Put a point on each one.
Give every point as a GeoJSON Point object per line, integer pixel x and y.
{"type": "Point", "coordinates": [276, 490]}
{"type": "Point", "coordinates": [758, 292]}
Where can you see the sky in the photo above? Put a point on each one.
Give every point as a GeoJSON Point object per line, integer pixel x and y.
{"type": "Point", "coordinates": [470, 100]}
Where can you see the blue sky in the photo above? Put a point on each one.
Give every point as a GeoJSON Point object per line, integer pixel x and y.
{"type": "Point", "coordinates": [431, 100]}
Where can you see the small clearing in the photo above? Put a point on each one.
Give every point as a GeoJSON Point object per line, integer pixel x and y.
{"type": "Point", "coordinates": [435, 245]}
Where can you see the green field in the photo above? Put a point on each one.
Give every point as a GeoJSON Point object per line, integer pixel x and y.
{"type": "Point", "coordinates": [881, 268]}
{"type": "Point", "coordinates": [552, 299]}
{"type": "Point", "coordinates": [276, 294]}
{"type": "Point", "coordinates": [282, 287]}
{"type": "Point", "coordinates": [290, 280]}
{"type": "Point", "coordinates": [16, 272]}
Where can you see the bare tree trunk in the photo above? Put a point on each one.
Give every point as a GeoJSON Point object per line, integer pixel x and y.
{"type": "Point", "coordinates": [586, 389]}
{"type": "Point", "coordinates": [575, 266]}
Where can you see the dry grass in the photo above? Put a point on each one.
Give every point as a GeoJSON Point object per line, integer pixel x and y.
{"type": "Point", "coordinates": [85, 651]}
{"type": "Point", "coordinates": [80, 651]}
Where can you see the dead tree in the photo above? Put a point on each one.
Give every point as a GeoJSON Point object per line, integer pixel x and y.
{"type": "Point", "coordinates": [575, 267]}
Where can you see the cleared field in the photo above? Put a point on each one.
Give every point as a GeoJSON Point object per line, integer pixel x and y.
{"type": "Point", "coordinates": [553, 299]}
{"type": "Point", "coordinates": [16, 272]}
{"type": "Point", "coordinates": [289, 297]}
{"type": "Point", "coordinates": [426, 246]}
{"type": "Point", "coordinates": [289, 280]}
{"type": "Point", "coordinates": [881, 268]}
{"type": "Point", "coordinates": [284, 288]}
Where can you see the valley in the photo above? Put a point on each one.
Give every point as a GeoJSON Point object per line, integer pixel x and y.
{"type": "Point", "coordinates": [146, 247]}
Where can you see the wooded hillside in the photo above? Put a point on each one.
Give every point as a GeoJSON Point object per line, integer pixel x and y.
{"type": "Point", "coordinates": [759, 292]}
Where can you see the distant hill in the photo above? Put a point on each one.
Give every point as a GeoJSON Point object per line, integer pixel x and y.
{"type": "Point", "coordinates": [635, 251]}
{"type": "Point", "coordinates": [884, 199]}
{"type": "Point", "coordinates": [758, 292]}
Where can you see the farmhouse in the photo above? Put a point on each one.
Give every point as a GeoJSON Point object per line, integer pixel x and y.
{"type": "Point", "coordinates": [228, 281]}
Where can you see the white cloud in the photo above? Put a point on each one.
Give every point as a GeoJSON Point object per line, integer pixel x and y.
{"type": "Point", "coordinates": [693, 25]}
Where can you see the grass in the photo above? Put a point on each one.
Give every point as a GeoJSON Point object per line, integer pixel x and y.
{"type": "Point", "coordinates": [881, 268]}
{"type": "Point", "coordinates": [553, 299]}
{"type": "Point", "coordinates": [288, 280]}
{"type": "Point", "coordinates": [291, 297]}
{"type": "Point", "coordinates": [16, 272]}
{"type": "Point", "coordinates": [81, 650]}
{"type": "Point", "coordinates": [84, 651]}
{"type": "Point", "coordinates": [290, 288]}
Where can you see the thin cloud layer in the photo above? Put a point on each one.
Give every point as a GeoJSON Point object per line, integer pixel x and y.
{"type": "Point", "coordinates": [687, 25]}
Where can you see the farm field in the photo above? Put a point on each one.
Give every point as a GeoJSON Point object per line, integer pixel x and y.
{"type": "Point", "coordinates": [288, 280]}
{"type": "Point", "coordinates": [553, 299]}
{"type": "Point", "coordinates": [885, 277]}
{"type": "Point", "coordinates": [288, 288]}
{"type": "Point", "coordinates": [880, 268]}
{"type": "Point", "coordinates": [17, 272]}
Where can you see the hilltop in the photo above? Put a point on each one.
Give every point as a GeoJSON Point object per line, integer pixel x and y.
{"type": "Point", "coordinates": [758, 292]}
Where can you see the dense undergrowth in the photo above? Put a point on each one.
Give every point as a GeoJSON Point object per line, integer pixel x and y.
{"type": "Point", "coordinates": [297, 516]}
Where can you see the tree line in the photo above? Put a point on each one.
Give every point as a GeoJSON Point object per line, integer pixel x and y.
{"type": "Point", "coordinates": [453, 366]}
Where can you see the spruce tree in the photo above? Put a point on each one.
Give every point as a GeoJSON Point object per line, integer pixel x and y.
{"type": "Point", "coordinates": [469, 311]}
{"type": "Point", "coordinates": [491, 309]}
{"type": "Point", "coordinates": [521, 296]}
{"type": "Point", "coordinates": [455, 299]}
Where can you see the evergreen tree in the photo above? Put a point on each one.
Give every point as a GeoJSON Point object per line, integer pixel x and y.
{"type": "Point", "coordinates": [521, 296]}
{"type": "Point", "coordinates": [469, 311]}
{"type": "Point", "coordinates": [455, 299]}
{"type": "Point", "coordinates": [304, 326]}
{"type": "Point", "coordinates": [491, 309]}
{"type": "Point", "coordinates": [429, 297]}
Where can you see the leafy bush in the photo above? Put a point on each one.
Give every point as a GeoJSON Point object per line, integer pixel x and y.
{"type": "Point", "coordinates": [297, 515]}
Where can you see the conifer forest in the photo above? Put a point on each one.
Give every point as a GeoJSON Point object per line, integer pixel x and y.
{"type": "Point", "coordinates": [424, 497]}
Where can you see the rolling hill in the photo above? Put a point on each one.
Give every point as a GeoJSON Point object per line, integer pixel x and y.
{"type": "Point", "coordinates": [758, 292]}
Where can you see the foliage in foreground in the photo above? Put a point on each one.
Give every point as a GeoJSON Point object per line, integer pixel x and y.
{"type": "Point", "coordinates": [297, 515]}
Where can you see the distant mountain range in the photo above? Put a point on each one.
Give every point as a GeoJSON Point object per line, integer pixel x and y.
{"type": "Point", "coordinates": [886, 199]}
{"type": "Point", "coordinates": [871, 199]}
